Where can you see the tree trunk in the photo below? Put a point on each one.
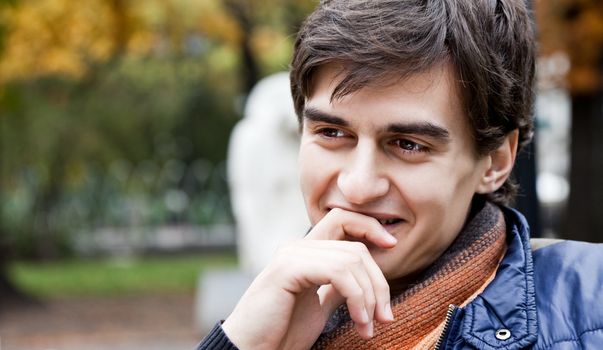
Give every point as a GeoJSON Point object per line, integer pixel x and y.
{"type": "Point", "coordinates": [241, 11]}
{"type": "Point", "coordinates": [585, 207]}
{"type": "Point", "coordinates": [10, 294]}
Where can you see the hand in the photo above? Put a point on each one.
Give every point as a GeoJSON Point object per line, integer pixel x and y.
{"type": "Point", "coordinates": [290, 301]}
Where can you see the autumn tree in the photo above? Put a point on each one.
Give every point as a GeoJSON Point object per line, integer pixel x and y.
{"type": "Point", "coordinates": [74, 94]}
{"type": "Point", "coordinates": [59, 38]}
{"type": "Point", "coordinates": [9, 293]}
{"type": "Point", "coordinates": [575, 27]}
{"type": "Point", "coordinates": [252, 19]}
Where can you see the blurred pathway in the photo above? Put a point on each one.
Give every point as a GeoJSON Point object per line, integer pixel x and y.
{"type": "Point", "coordinates": [119, 323]}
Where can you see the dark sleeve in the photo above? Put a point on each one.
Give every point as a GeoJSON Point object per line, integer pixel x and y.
{"type": "Point", "coordinates": [216, 340]}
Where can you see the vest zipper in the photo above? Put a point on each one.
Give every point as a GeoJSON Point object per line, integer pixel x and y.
{"type": "Point", "coordinates": [449, 313]}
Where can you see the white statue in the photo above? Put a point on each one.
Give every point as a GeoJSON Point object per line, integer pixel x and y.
{"type": "Point", "coordinates": [263, 176]}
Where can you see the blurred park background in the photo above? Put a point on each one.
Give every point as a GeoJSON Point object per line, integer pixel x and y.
{"type": "Point", "coordinates": [115, 117]}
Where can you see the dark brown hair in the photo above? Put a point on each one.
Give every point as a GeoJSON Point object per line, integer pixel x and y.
{"type": "Point", "coordinates": [489, 42]}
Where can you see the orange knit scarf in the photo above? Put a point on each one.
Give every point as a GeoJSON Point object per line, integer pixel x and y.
{"type": "Point", "coordinates": [462, 272]}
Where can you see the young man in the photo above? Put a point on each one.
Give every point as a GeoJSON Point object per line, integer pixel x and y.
{"type": "Point", "coordinates": [411, 115]}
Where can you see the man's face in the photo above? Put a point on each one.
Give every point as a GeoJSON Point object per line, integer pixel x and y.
{"type": "Point", "coordinates": [402, 154]}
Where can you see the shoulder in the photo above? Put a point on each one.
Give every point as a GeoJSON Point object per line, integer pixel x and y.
{"type": "Point", "coordinates": [569, 264]}
{"type": "Point", "coordinates": [568, 280]}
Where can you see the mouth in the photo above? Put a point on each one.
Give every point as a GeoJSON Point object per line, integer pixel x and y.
{"type": "Point", "coordinates": [390, 225]}
{"type": "Point", "coordinates": [388, 221]}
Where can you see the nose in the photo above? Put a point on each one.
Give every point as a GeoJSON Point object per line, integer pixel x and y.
{"type": "Point", "coordinates": [362, 179]}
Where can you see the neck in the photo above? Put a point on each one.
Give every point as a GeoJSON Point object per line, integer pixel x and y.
{"type": "Point", "coordinates": [420, 301]}
{"type": "Point", "coordinates": [478, 205]}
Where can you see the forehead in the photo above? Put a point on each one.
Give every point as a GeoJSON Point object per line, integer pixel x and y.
{"type": "Point", "coordinates": [431, 96]}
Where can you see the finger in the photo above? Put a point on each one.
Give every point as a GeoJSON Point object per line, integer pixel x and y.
{"type": "Point", "coordinates": [310, 266]}
{"type": "Point", "coordinates": [339, 223]}
{"type": "Point", "coordinates": [331, 299]}
{"type": "Point", "coordinates": [362, 276]}
{"type": "Point", "coordinates": [366, 331]}
{"type": "Point", "coordinates": [380, 287]}
{"type": "Point", "coordinates": [380, 292]}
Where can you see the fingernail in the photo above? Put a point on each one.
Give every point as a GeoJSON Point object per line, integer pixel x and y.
{"type": "Point", "coordinates": [388, 312]}
{"type": "Point", "coordinates": [370, 329]}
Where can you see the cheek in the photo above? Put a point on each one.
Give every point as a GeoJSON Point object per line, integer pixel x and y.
{"type": "Point", "coordinates": [441, 192]}
{"type": "Point", "coordinates": [316, 173]}
{"type": "Point", "coordinates": [426, 188]}
{"type": "Point", "coordinates": [309, 172]}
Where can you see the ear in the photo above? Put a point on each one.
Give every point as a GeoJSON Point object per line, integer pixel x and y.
{"type": "Point", "coordinates": [501, 162]}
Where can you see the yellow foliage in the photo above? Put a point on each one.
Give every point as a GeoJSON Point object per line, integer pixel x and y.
{"type": "Point", "coordinates": [55, 37]}
{"type": "Point", "coordinates": [68, 37]}
{"type": "Point", "coordinates": [140, 43]}
{"type": "Point", "coordinates": [217, 24]}
{"type": "Point", "coordinates": [273, 48]}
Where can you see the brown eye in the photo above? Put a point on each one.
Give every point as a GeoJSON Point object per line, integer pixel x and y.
{"type": "Point", "coordinates": [330, 132]}
{"type": "Point", "coordinates": [408, 145]}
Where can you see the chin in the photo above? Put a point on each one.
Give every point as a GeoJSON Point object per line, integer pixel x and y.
{"type": "Point", "coordinates": [383, 259]}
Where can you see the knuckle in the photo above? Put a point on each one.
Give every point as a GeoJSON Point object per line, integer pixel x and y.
{"type": "Point", "coordinates": [340, 269]}
{"type": "Point", "coordinates": [284, 250]}
{"type": "Point", "coordinates": [337, 211]}
{"type": "Point", "coordinates": [370, 303]}
{"type": "Point", "coordinates": [359, 247]}
{"type": "Point", "coordinates": [358, 295]}
{"type": "Point", "coordinates": [370, 298]}
{"type": "Point", "coordinates": [293, 246]}
{"type": "Point", "coordinates": [354, 260]}
{"type": "Point", "coordinates": [382, 288]}
{"type": "Point", "coordinates": [287, 251]}
{"type": "Point", "coordinates": [363, 249]}
{"type": "Point", "coordinates": [276, 268]}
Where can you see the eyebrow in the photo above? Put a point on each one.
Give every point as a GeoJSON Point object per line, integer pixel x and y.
{"type": "Point", "coordinates": [415, 128]}
{"type": "Point", "coordinates": [421, 128]}
{"type": "Point", "coordinates": [315, 115]}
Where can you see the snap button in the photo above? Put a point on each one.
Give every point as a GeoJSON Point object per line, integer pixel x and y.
{"type": "Point", "coordinates": [503, 334]}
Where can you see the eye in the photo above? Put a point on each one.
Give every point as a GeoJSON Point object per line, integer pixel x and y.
{"type": "Point", "coordinates": [330, 132]}
{"type": "Point", "coordinates": [410, 146]}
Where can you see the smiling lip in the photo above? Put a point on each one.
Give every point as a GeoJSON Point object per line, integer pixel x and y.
{"type": "Point", "coordinates": [388, 222]}
{"type": "Point", "coordinates": [390, 225]}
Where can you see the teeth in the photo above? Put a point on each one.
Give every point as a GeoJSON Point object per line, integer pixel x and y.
{"type": "Point", "coordinates": [388, 221]}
